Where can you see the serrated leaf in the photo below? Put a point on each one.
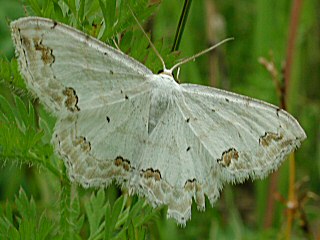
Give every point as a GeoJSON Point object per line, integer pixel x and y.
{"type": "Point", "coordinates": [107, 227]}
{"type": "Point", "coordinates": [145, 217]}
{"type": "Point", "coordinates": [108, 9]}
{"type": "Point", "coordinates": [131, 231]}
{"type": "Point", "coordinates": [27, 229]}
{"type": "Point", "coordinates": [126, 41]}
{"type": "Point", "coordinates": [4, 69]}
{"type": "Point", "coordinates": [95, 212]}
{"type": "Point", "coordinates": [21, 114]}
{"type": "Point", "coordinates": [111, 8]}
{"type": "Point", "coordinates": [44, 227]}
{"type": "Point", "coordinates": [81, 11]}
{"type": "Point", "coordinates": [48, 8]}
{"type": "Point", "coordinates": [26, 208]}
{"type": "Point", "coordinates": [135, 209]}
{"type": "Point", "coordinates": [6, 108]}
{"type": "Point", "coordinates": [5, 226]}
{"type": "Point", "coordinates": [141, 233]}
{"type": "Point", "coordinates": [58, 12]}
{"type": "Point", "coordinates": [35, 7]}
{"type": "Point", "coordinates": [140, 48]}
{"type": "Point", "coordinates": [72, 6]}
{"type": "Point", "coordinates": [116, 210]}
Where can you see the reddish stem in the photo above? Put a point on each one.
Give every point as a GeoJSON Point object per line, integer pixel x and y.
{"type": "Point", "coordinates": [295, 13]}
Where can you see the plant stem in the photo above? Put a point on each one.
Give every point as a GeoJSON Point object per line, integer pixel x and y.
{"type": "Point", "coordinates": [291, 203]}
{"type": "Point", "coordinates": [295, 13]}
{"type": "Point", "coordinates": [181, 25]}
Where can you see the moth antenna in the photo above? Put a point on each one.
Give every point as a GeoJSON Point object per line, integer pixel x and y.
{"type": "Point", "coordinates": [151, 44]}
{"type": "Point", "coordinates": [183, 61]}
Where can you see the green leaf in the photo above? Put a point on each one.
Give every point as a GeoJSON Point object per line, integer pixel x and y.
{"type": "Point", "coordinates": [107, 227]}
{"type": "Point", "coordinates": [26, 208]}
{"type": "Point", "coordinates": [6, 224]}
{"type": "Point", "coordinates": [7, 110]}
{"type": "Point", "coordinates": [136, 209]}
{"type": "Point", "coordinates": [58, 13]}
{"type": "Point", "coordinates": [95, 210]}
{"type": "Point", "coordinates": [131, 231]}
{"type": "Point", "coordinates": [141, 233]}
{"type": "Point", "coordinates": [35, 7]}
{"type": "Point", "coordinates": [44, 227]}
{"type": "Point", "coordinates": [10, 76]}
{"type": "Point", "coordinates": [72, 6]}
{"type": "Point", "coordinates": [21, 139]}
{"type": "Point", "coordinates": [116, 210]}
{"type": "Point", "coordinates": [109, 13]}
{"type": "Point", "coordinates": [28, 225]}
{"type": "Point", "coordinates": [81, 11]}
{"type": "Point", "coordinates": [48, 8]}
{"type": "Point", "coordinates": [71, 219]}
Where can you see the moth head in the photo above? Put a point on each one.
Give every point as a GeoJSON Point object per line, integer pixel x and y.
{"type": "Point", "coordinates": [166, 72]}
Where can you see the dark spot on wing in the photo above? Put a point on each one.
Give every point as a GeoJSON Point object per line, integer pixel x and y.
{"type": "Point", "coordinates": [188, 120]}
{"type": "Point", "coordinates": [126, 97]}
{"type": "Point", "coordinates": [54, 24]}
{"type": "Point", "coordinates": [111, 72]}
{"type": "Point", "coordinates": [108, 119]}
{"type": "Point", "coordinates": [85, 184]}
{"type": "Point", "coordinates": [188, 148]}
{"type": "Point", "coordinates": [227, 100]}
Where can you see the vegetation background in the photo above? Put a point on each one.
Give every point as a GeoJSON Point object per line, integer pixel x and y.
{"type": "Point", "coordinates": [36, 198]}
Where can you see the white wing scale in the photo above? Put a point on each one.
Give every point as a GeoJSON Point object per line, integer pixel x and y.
{"type": "Point", "coordinates": [118, 121]}
{"type": "Point", "coordinates": [54, 56]}
{"type": "Point", "coordinates": [261, 133]}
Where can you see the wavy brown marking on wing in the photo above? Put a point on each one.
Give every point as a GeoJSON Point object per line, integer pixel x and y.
{"type": "Point", "coordinates": [72, 99]}
{"type": "Point", "coordinates": [81, 141]}
{"type": "Point", "coordinates": [124, 163]}
{"type": "Point", "coordinates": [150, 173]}
{"type": "Point", "coordinates": [268, 137]}
{"type": "Point", "coordinates": [46, 52]}
{"type": "Point", "coordinates": [190, 185]}
{"type": "Point", "coordinates": [227, 157]}
{"type": "Point", "coordinates": [25, 41]}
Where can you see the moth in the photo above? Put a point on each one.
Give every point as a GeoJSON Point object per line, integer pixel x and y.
{"type": "Point", "coordinates": [117, 121]}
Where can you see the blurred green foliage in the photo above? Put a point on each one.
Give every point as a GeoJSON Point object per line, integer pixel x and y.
{"type": "Point", "coordinates": [36, 196]}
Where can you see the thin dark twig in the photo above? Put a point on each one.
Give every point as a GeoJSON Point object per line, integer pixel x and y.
{"type": "Point", "coordinates": [181, 25]}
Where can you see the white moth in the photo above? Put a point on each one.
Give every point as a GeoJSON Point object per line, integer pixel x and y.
{"type": "Point", "coordinates": [117, 121]}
